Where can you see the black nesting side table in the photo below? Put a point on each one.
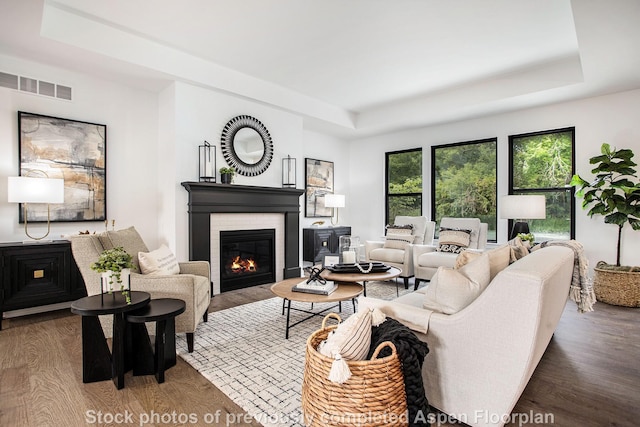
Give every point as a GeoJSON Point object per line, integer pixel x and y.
{"type": "Point", "coordinates": [98, 363]}
{"type": "Point", "coordinates": [146, 361]}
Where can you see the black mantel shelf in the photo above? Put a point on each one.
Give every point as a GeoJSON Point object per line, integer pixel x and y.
{"type": "Point", "coordinates": [206, 198]}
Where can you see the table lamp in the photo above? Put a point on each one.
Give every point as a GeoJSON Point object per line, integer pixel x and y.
{"type": "Point", "coordinates": [334, 201]}
{"type": "Point", "coordinates": [521, 208]}
{"type": "Point", "coordinates": [26, 189]}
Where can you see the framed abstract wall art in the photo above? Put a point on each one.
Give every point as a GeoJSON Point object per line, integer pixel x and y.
{"type": "Point", "coordinates": [318, 182]}
{"type": "Point", "coordinates": [69, 149]}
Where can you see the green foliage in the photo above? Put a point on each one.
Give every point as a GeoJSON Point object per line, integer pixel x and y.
{"type": "Point", "coordinates": [542, 161]}
{"type": "Point", "coordinates": [465, 183]}
{"type": "Point", "coordinates": [526, 237]}
{"type": "Point", "coordinates": [228, 171]}
{"type": "Point", "coordinates": [113, 260]}
{"type": "Point", "coordinates": [615, 191]}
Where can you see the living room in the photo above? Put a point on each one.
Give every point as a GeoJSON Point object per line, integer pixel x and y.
{"type": "Point", "coordinates": [158, 112]}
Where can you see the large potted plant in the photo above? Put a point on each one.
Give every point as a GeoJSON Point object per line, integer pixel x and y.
{"type": "Point", "coordinates": [615, 195]}
{"type": "Point", "coordinates": [115, 265]}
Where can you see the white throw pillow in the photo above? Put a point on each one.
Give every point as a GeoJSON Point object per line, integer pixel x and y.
{"type": "Point", "coordinates": [499, 258]}
{"type": "Point", "coordinates": [452, 290]}
{"type": "Point", "coordinates": [160, 262]}
{"type": "Point", "coordinates": [351, 339]}
{"type": "Point", "coordinates": [398, 241]}
{"type": "Point", "coordinates": [453, 240]}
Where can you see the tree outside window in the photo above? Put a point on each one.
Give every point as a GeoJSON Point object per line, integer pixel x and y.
{"type": "Point", "coordinates": [543, 163]}
{"type": "Point", "coordinates": [403, 183]}
{"type": "Point", "coordinates": [464, 182]}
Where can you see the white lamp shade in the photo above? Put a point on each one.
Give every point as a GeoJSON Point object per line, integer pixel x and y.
{"type": "Point", "coordinates": [334, 200]}
{"type": "Point", "coordinates": [26, 189]}
{"type": "Point", "coordinates": [523, 207]}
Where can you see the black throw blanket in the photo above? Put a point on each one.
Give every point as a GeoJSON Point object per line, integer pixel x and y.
{"type": "Point", "coordinates": [411, 352]}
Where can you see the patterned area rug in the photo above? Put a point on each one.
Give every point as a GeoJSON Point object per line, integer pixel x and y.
{"type": "Point", "coordinates": [243, 352]}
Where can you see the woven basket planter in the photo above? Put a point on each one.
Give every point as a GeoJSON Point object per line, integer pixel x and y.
{"type": "Point", "coordinates": [617, 287]}
{"type": "Point", "coordinates": [373, 396]}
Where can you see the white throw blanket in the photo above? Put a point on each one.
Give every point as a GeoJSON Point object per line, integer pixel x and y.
{"type": "Point", "coordinates": [581, 290]}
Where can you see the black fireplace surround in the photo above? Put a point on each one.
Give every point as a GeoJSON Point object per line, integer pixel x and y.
{"type": "Point", "coordinates": [207, 198]}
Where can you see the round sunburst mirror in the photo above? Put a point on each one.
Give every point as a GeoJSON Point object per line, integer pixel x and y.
{"type": "Point", "coordinates": [246, 145]}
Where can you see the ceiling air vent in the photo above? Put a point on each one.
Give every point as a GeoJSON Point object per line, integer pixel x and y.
{"type": "Point", "coordinates": [38, 87]}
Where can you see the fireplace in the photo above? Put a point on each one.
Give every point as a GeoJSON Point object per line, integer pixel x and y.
{"type": "Point", "coordinates": [247, 258]}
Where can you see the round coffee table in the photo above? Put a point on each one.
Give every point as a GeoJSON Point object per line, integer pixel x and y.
{"type": "Point", "coordinates": [343, 278]}
{"type": "Point", "coordinates": [345, 291]}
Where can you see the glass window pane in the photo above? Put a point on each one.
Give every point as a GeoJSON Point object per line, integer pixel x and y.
{"type": "Point", "coordinates": [557, 224]}
{"type": "Point", "coordinates": [405, 205]}
{"type": "Point", "coordinates": [464, 182]}
{"type": "Point", "coordinates": [542, 161]}
{"type": "Point", "coordinates": [405, 172]}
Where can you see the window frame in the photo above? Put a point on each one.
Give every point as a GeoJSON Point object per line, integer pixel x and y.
{"type": "Point", "coordinates": [387, 195]}
{"type": "Point", "coordinates": [568, 188]}
{"type": "Point", "coordinates": [433, 177]}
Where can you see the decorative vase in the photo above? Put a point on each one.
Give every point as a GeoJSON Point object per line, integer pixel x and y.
{"type": "Point", "coordinates": [226, 178]}
{"type": "Point", "coordinates": [111, 283]}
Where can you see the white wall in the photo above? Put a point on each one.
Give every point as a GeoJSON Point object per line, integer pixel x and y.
{"type": "Point", "coordinates": [131, 119]}
{"type": "Point", "coordinates": [611, 118]}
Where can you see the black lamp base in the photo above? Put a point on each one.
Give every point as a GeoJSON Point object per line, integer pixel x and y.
{"type": "Point", "coordinates": [519, 227]}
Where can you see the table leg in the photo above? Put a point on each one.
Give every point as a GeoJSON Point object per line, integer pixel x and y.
{"type": "Point", "coordinates": [364, 288]}
{"type": "Point", "coordinates": [160, 348]}
{"type": "Point", "coordinates": [96, 358]}
{"type": "Point", "coordinates": [288, 314]}
{"type": "Point", "coordinates": [118, 349]}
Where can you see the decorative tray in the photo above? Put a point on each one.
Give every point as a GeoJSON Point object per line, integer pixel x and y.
{"type": "Point", "coordinates": [365, 267]}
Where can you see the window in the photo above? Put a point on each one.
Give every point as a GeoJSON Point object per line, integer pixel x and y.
{"type": "Point", "coordinates": [404, 184]}
{"type": "Point", "coordinates": [543, 163]}
{"type": "Point", "coordinates": [464, 182]}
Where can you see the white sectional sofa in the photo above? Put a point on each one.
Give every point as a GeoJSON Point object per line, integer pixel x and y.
{"type": "Point", "coordinates": [482, 357]}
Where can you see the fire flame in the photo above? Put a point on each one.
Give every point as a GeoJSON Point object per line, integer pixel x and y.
{"type": "Point", "coordinates": [239, 265]}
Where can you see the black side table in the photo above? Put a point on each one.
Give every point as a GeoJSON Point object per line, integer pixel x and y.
{"type": "Point", "coordinates": [146, 361]}
{"type": "Point", "coordinates": [98, 363]}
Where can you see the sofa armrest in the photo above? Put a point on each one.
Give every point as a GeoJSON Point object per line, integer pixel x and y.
{"type": "Point", "coordinates": [199, 268]}
{"type": "Point", "coordinates": [415, 318]}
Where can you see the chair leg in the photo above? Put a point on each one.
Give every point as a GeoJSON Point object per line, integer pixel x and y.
{"type": "Point", "coordinates": [190, 342]}
{"type": "Point", "coordinates": [205, 316]}
{"type": "Point", "coordinates": [416, 283]}
{"type": "Point", "coordinates": [406, 283]}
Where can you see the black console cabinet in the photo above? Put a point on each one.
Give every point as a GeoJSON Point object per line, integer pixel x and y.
{"type": "Point", "coordinates": [34, 274]}
{"type": "Point", "coordinates": [318, 242]}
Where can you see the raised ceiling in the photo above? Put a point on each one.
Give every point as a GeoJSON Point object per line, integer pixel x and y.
{"type": "Point", "coordinates": [355, 67]}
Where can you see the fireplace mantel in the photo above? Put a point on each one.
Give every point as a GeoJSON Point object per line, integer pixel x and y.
{"type": "Point", "coordinates": [208, 198]}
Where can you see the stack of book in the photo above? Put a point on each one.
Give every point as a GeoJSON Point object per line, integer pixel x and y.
{"type": "Point", "coordinates": [315, 287]}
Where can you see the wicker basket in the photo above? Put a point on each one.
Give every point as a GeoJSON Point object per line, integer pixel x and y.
{"type": "Point", "coordinates": [373, 396]}
{"type": "Point", "coordinates": [617, 287]}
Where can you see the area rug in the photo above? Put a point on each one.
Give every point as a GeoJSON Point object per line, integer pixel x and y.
{"type": "Point", "coordinates": [244, 353]}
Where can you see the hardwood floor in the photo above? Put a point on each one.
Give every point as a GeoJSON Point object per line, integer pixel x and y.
{"type": "Point", "coordinates": [589, 376]}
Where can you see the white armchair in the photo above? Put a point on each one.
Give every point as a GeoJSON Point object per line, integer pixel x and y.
{"type": "Point", "coordinates": [401, 255]}
{"type": "Point", "coordinates": [427, 258]}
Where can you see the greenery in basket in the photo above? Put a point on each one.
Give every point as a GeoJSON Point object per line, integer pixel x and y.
{"type": "Point", "coordinates": [615, 191]}
{"type": "Point", "coordinates": [114, 260]}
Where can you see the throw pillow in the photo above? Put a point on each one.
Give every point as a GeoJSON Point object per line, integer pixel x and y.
{"type": "Point", "coordinates": [398, 241]}
{"type": "Point", "coordinates": [128, 238]}
{"type": "Point", "coordinates": [499, 258]}
{"type": "Point", "coordinates": [453, 240]}
{"type": "Point", "coordinates": [160, 262]}
{"type": "Point", "coordinates": [399, 229]}
{"type": "Point", "coordinates": [452, 290]}
{"type": "Point", "coordinates": [518, 249]}
{"type": "Point", "coordinates": [351, 339]}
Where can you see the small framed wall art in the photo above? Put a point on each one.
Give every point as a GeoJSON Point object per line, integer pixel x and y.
{"type": "Point", "coordinates": [318, 183]}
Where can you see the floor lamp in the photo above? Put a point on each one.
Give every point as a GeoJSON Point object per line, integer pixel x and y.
{"type": "Point", "coordinates": [520, 208]}
{"type": "Point", "coordinates": [334, 201]}
{"type": "Point", "coordinates": [26, 189]}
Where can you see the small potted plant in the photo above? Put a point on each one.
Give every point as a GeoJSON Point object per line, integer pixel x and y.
{"type": "Point", "coordinates": [614, 194]}
{"type": "Point", "coordinates": [226, 175]}
{"type": "Point", "coordinates": [115, 265]}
